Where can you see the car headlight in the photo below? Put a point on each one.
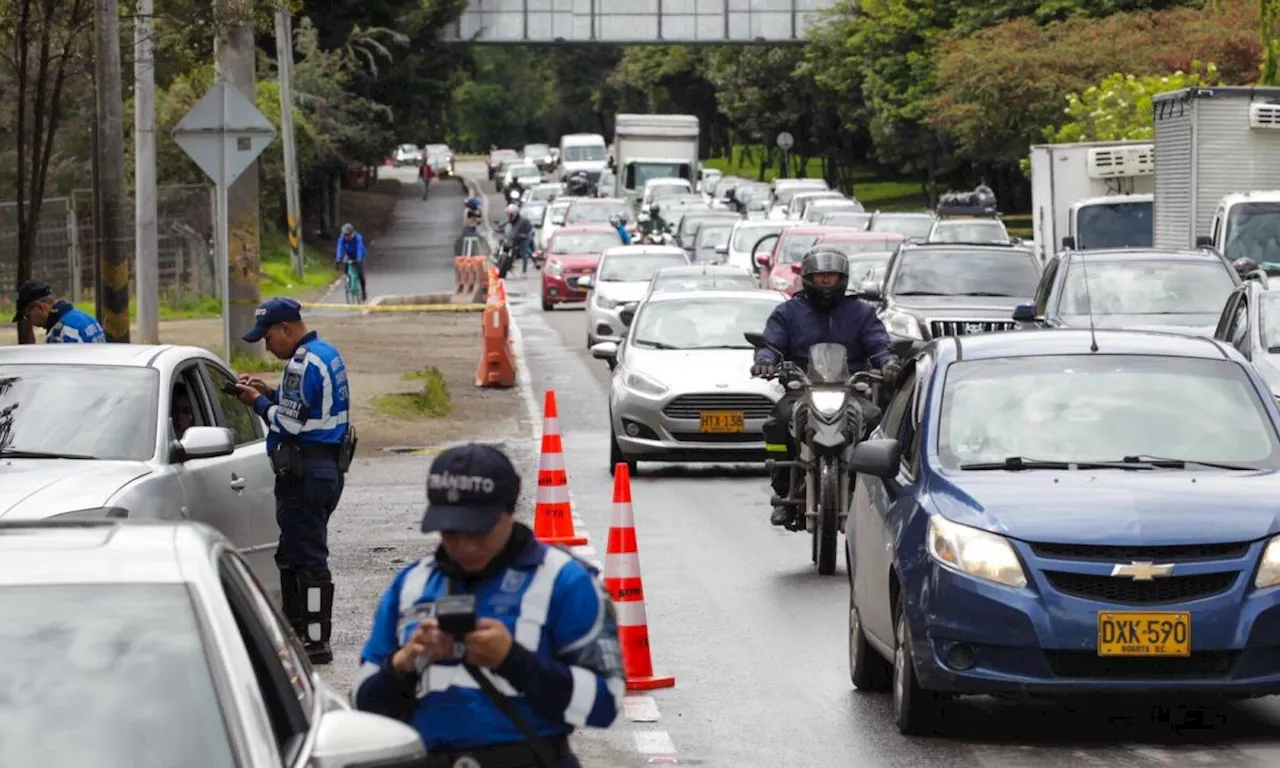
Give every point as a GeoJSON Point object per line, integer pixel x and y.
{"type": "Point", "coordinates": [1269, 568]}
{"type": "Point", "coordinates": [827, 403]}
{"type": "Point", "coordinates": [553, 268]}
{"type": "Point", "coordinates": [94, 513]}
{"type": "Point", "coordinates": [902, 324]}
{"type": "Point", "coordinates": [977, 553]}
{"type": "Point", "coordinates": [780, 283]}
{"type": "Point", "coordinates": [644, 384]}
{"type": "Point", "coordinates": [604, 302]}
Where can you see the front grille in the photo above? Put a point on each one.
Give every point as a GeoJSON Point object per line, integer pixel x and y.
{"type": "Point", "coordinates": [1126, 591]}
{"type": "Point", "coordinates": [1166, 554]}
{"type": "Point", "coordinates": [940, 328]}
{"type": "Point", "coordinates": [692, 406]}
{"type": "Point", "coordinates": [1200, 665]}
{"type": "Point", "coordinates": [718, 437]}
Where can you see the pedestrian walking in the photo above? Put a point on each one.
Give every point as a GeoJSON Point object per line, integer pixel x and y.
{"type": "Point", "coordinates": [425, 174]}
{"type": "Point", "coordinates": [65, 324]}
{"type": "Point", "coordinates": [497, 646]}
{"type": "Point", "coordinates": [310, 443]}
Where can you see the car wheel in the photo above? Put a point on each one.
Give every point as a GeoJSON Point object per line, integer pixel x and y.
{"type": "Point", "coordinates": [590, 341]}
{"type": "Point", "coordinates": [616, 456]}
{"type": "Point", "coordinates": [916, 712]}
{"type": "Point", "coordinates": [868, 671]}
{"type": "Point", "coordinates": [547, 306]}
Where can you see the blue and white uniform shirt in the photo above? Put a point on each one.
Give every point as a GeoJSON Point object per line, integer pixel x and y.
{"type": "Point", "coordinates": [73, 326]}
{"type": "Point", "coordinates": [313, 402]}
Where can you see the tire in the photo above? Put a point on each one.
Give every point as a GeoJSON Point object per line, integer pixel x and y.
{"type": "Point", "coordinates": [868, 670]}
{"type": "Point", "coordinates": [547, 306]}
{"type": "Point", "coordinates": [825, 532]}
{"type": "Point", "coordinates": [916, 712]}
{"type": "Point", "coordinates": [616, 456]}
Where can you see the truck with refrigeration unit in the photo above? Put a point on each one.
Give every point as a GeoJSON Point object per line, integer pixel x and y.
{"type": "Point", "coordinates": [652, 147]}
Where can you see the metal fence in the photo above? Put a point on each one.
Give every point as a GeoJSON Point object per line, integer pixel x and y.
{"type": "Point", "coordinates": [64, 241]}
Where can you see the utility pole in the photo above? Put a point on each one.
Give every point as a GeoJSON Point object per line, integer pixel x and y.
{"type": "Point", "coordinates": [110, 108]}
{"type": "Point", "coordinates": [236, 54]}
{"type": "Point", "coordinates": [144, 174]}
{"type": "Point", "coordinates": [284, 66]}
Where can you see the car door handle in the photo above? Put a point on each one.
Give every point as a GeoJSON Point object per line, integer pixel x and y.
{"type": "Point", "coordinates": [238, 483]}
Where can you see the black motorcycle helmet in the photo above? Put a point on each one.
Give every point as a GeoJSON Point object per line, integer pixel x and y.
{"type": "Point", "coordinates": [825, 261]}
{"type": "Point", "coordinates": [1244, 265]}
{"type": "Point", "coordinates": [578, 184]}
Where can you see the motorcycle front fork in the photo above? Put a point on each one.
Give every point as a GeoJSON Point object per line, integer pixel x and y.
{"type": "Point", "coordinates": [804, 489]}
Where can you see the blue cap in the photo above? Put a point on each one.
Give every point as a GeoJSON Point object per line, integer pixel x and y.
{"type": "Point", "coordinates": [469, 488]}
{"type": "Point", "coordinates": [269, 313]}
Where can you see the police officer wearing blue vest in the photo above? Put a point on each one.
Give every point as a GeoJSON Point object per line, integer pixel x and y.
{"type": "Point", "coordinates": [497, 646]}
{"type": "Point", "coordinates": [310, 444]}
{"type": "Point", "coordinates": [65, 324]}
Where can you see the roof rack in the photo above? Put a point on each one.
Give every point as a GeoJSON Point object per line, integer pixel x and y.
{"type": "Point", "coordinates": [980, 202]}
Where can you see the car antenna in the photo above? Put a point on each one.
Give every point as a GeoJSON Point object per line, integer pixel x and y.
{"type": "Point", "coordinates": [1088, 297]}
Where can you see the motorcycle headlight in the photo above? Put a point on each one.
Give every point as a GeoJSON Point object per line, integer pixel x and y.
{"type": "Point", "coordinates": [644, 384]}
{"type": "Point", "coordinates": [980, 554]}
{"type": "Point", "coordinates": [553, 268]}
{"type": "Point", "coordinates": [827, 403]}
{"type": "Point", "coordinates": [1269, 568]}
{"type": "Point", "coordinates": [94, 513]}
{"type": "Point", "coordinates": [902, 324]}
{"type": "Point", "coordinates": [604, 302]}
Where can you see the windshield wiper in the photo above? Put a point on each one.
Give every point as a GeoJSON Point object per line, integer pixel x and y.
{"type": "Point", "coordinates": [1163, 463]}
{"type": "Point", "coordinates": [12, 454]}
{"type": "Point", "coordinates": [654, 344]}
{"type": "Point", "coordinates": [921, 293]}
{"type": "Point", "coordinates": [1018, 463]}
{"type": "Point", "coordinates": [723, 346]}
{"type": "Point", "coordinates": [985, 293]}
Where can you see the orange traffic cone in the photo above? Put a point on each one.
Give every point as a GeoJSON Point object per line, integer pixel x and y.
{"type": "Point", "coordinates": [622, 580]}
{"type": "Point", "coordinates": [552, 515]}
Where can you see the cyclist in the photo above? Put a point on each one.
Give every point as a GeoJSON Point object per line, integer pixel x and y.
{"type": "Point", "coordinates": [351, 249]}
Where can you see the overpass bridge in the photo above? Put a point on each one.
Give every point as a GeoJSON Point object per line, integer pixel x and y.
{"type": "Point", "coordinates": [636, 22]}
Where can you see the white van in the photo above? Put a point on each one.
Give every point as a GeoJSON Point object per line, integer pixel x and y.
{"type": "Point", "coordinates": [582, 152]}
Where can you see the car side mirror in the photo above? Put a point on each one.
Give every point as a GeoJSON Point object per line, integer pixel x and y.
{"type": "Point", "coordinates": [584, 282]}
{"type": "Point", "coordinates": [627, 314]}
{"type": "Point", "coordinates": [880, 458]}
{"type": "Point", "coordinates": [1068, 243]}
{"type": "Point", "coordinates": [204, 443]}
{"type": "Point", "coordinates": [870, 291]}
{"type": "Point", "coordinates": [1204, 241]}
{"type": "Point", "coordinates": [1025, 313]}
{"type": "Point", "coordinates": [348, 738]}
{"type": "Point", "coordinates": [723, 250]}
{"type": "Point", "coordinates": [607, 351]}
{"type": "Point", "coordinates": [762, 259]}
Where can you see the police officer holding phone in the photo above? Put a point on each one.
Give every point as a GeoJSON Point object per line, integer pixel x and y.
{"type": "Point", "coordinates": [497, 646]}
{"type": "Point", "coordinates": [310, 444]}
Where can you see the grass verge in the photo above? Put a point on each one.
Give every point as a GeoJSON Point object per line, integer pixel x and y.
{"type": "Point", "coordinates": [872, 188]}
{"type": "Point", "coordinates": [431, 402]}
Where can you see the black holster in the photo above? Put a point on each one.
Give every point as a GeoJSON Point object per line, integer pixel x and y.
{"type": "Point", "coordinates": [287, 460]}
{"type": "Point", "coordinates": [347, 451]}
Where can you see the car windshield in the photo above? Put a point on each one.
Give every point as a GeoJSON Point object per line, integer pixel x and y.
{"type": "Point", "coordinates": [536, 151]}
{"type": "Point", "coordinates": [582, 152]}
{"type": "Point", "coordinates": [109, 675]}
{"type": "Point", "coordinates": [667, 189]}
{"type": "Point", "coordinates": [584, 242]}
{"type": "Point", "coordinates": [1115, 225]}
{"type": "Point", "coordinates": [821, 208]}
{"type": "Point", "coordinates": [723, 281]}
{"type": "Point", "coordinates": [794, 247]}
{"type": "Point", "coordinates": [907, 225]}
{"type": "Point", "coordinates": [522, 170]}
{"type": "Point", "coordinates": [45, 409]}
{"type": "Point", "coordinates": [862, 265]}
{"type": "Point", "coordinates": [870, 245]}
{"type": "Point", "coordinates": [558, 211]}
{"type": "Point", "coordinates": [746, 237]}
{"type": "Point", "coordinates": [799, 201]}
{"type": "Point", "coordinates": [970, 232]}
{"type": "Point", "coordinates": [701, 323]}
{"type": "Point", "coordinates": [693, 222]}
{"type": "Point", "coordinates": [533, 211]}
{"type": "Point", "coordinates": [638, 267]}
{"type": "Point", "coordinates": [786, 193]}
{"type": "Point", "coordinates": [712, 236]}
{"type": "Point", "coordinates": [1103, 408]}
{"type": "Point", "coordinates": [851, 219]}
{"type": "Point", "coordinates": [641, 172]}
{"type": "Point", "coordinates": [544, 193]}
{"type": "Point", "coordinates": [598, 213]}
{"type": "Point", "coordinates": [940, 272]}
{"type": "Point", "coordinates": [1147, 287]}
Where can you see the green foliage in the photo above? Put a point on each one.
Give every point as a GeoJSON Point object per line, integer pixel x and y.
{"type": "Point", "coordinates": [1119, 108]}
{"type": "Point", "coordinates": [431, 402]}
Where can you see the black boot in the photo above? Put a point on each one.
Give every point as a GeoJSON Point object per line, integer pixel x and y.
{"type": "Point", "coordinates": [291, 601]}
{"type": "Point", "coordinates": [317, 607]}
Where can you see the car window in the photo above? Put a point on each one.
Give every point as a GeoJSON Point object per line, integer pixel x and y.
{"type": "Point", "coordinates": [851, 247]}
{"type": "Point", "coordinates": [970, 232]}
{"type": "Point", "coordinates": [1269, 321]}
{"type": "Point", "coordinates": [899, 405]}
{"type": "Point", "coordinates": [850, 219]}
{"type": "Point", "coordinates": [712, 236]}
{"type": "Point", "coordinates": [745, 237]}
{"type": "Point", "coordinates": [598, 213]}
{"type": "Point", "coordinates": [584, 242]}
{"type": "Point", "coordinates": [1103, 408]}
{"type": "Point", "coordinates": [188, 403]}
{"type": "Point", "coordinates": [904, 224]}
{"type": "Point", "coordinates": [945, 272]}
{"type": "Point", "coordinates": [1148, 287]}
{"type": "Point", "coordinates": [1240, 328]}
{"type": "Point", "coordinates": [635, 268]}
{"type": "Point", "coordinates": [236, 416]}
{"type": "Point", "coordinates": [107, 674]}
{"type": "Point", "coordinates": [701, 323]}
{"type": "Point", "coordinates": [794, 247]}
{"type": "Point", "coordinates": [1045, 289]}
{"type": "Point", "coordinates": [698, 282]}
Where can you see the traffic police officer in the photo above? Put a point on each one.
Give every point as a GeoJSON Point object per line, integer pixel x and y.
{"type": "Point", "coordinates": [310, 444]}
{"type": "Point", "coordinates": [65, 323]}
{"type": "Point", "coordinates": [543, 630]}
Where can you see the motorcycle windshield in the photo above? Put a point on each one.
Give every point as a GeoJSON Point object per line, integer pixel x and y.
{"type": "Point", "coordinates": [828, 364]}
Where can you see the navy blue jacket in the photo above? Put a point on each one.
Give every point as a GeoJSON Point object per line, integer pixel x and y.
{"type": "Point", "coordinates": [796, 325]}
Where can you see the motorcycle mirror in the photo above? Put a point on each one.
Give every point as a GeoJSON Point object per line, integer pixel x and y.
{"type": "Point", "coordinates": [755, 339]}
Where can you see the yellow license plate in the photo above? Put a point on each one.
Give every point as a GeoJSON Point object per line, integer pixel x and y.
{"type": "Point", "coordinates": [1144, 634]}
{"type": "Point", "coordinates": [723, 421]}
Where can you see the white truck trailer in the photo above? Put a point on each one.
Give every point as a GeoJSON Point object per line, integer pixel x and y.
{"type": "Point", "coordinates": [1218, 171]}
{"type": "Point", "coordinates": [1091, 195]}
{"type": "Point", "coordinates": [652, 147]}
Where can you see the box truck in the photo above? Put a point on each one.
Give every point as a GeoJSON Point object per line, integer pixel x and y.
{"type": "Point", "coordinates": [653, 147]}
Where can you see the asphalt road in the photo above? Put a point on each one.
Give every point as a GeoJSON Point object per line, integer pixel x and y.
{"type": "Point", "coordinates": [757, 640]}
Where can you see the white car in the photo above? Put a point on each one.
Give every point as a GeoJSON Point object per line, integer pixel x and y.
{"type": "Point", "coordinates": [663, 187]}
{"type": "Point", "coordinates": [799, 200]}
{"type": "Point", "coordinates": [622, 277]}
{"type": "Point", "coordinates": [969, 230]}
{"type": "Point", "coordinates": [681, 388]}
{"type": "Point", "coordinates": [707, 178]}
{"type": "Point", "coordinates": [407, 154]}
{"type": "Point", "coordinates": [93, 431]}
{"type": "Point", "coordinates": [785, 189]}
{"type": "Point", "coordinates": [746, 234]}
{"type": "Point", "coordinates": [154, 645]}
{"type": "Point", "coordinates": [553, 219]}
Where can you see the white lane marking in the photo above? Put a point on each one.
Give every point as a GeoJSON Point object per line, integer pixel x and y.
{"type": "Point", "coordinates": [654, 743]}
{"type": "Point", "coordinates": [641, 709]}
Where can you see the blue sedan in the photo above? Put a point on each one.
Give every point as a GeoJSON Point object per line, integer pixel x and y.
{"type": "Point", "coordinates": [1039, 515]}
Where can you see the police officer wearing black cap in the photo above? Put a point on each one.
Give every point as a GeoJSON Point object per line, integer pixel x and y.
{"type": "Point", "coordinates": [310, 443]}
{"type": "Point", "coordinates": [66, 325]}
{"type": "Point", "coordinates": [497, 646]}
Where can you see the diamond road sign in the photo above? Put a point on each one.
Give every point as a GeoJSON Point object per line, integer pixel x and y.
{"type": "Point", "coordinates": [223, 133]}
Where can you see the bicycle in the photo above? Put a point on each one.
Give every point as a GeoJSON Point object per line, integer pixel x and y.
{"type": "Point", "coordinates": [353, 283]}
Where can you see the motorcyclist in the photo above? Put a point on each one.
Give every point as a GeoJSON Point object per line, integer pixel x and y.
{"type": "Point", "coordinates": [820, 312]}
{"type": "Point", "coordinates": [1244, 265]}
{"type": "Point", "coordinates": [578, 184]}
{"type": "Point", "coordinates": [620, 224]}
{"type": "Point", "coordinates": [519, 237]}
{"type": "Point", "coordinates": [470, 217]}
{"type": "Point", "coordinates": [657, 226]}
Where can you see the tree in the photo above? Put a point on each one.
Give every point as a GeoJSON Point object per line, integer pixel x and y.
{"type": "Point", "coordinates": [1120, 108]}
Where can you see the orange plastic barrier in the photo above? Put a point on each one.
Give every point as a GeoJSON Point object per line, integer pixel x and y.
{"type": "Point", "coordinates": [469, 276]}
{"type": "Point", "coordinates": [553, 513]}
{"type": "Point", "coordinates": [497, 366]}
{"type": "Point", "coordinates": [623, 582]}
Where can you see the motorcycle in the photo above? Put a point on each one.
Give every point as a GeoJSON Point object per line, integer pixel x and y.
{"type": "Point", "coordinates": [827, 423]}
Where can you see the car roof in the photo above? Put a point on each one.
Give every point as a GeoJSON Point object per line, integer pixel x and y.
{"type": "Point", "coordinates": [859, 236]}
{"type": "Point", "coordinates": [818, 229]}
{"type": "Point", "coordinates": [643, 250]}
{"type": "Point", "coordinates": [1144, 254]}
{"type": "Point", "coordinates": [123, 355]}
{"type": "Point", "coordinates": [103, 551]}
{"type": "Point", "coordinates": [998, 247]}
{"type": "Point", "coordinates": [594, 227]}
{"type": "Point", "coordinates": [753, 294]}
{"type": "Point", "coordinates": [702, 269]}
{"type": "Point", "coordinates": [603, 199]}
{"type": "Point", "coordinates": [968, 220]}
{"type": "Point", "coordinates": [1073, 341]}
{"type": "Point", "coordinates": [913, 214]}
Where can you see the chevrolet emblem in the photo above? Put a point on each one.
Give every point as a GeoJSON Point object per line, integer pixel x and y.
{"type": "Point", "coordinates": [1142, 571]}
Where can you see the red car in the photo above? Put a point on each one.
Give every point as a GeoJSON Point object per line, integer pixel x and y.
{"type": "Point", "coordinates": [780, 270]}
{"type": "Point", "coordinates": [574, 252]}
